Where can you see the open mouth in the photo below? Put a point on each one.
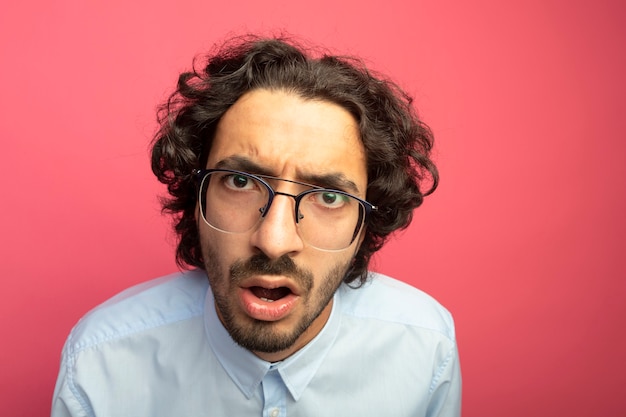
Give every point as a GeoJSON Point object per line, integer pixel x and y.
{"type": "Point", "coordinates": [270, 294]}
{"type": "Point", "coordinates": [268, 304]}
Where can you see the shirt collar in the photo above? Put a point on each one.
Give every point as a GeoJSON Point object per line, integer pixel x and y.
{"type": "Point", "coordinates": [248, 370]}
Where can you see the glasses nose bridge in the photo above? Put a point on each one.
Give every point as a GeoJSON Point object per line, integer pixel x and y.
{"type": "Point", "coordinates": [296, 199]}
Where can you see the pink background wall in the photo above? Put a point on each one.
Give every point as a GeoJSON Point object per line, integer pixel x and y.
{"type": "Point", "coordinates": [524, 242]}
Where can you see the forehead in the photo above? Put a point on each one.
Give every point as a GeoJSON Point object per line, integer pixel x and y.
{"type": "Point", "coordinates": [290, 137]}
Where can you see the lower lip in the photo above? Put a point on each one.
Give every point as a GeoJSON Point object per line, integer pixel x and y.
{"type": "Point", "coordinates": [265, 310]}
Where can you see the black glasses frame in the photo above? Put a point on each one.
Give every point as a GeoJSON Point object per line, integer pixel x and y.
{"type": "Point", "coordinates": [201, 174]}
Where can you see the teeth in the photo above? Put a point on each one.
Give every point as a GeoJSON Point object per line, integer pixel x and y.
{"type": "Point", "coordinates": [267, 299]}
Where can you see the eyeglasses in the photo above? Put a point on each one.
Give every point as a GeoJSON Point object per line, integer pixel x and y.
{"type": "Point", "coordinates": [235, 202]}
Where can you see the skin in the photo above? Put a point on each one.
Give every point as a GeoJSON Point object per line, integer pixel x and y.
{"type": "Point", "coordinates": [292, 138]}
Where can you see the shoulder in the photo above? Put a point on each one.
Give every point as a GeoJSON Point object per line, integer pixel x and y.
{"type": "Point", "coordinates": [387, 299]}
{"type": "Point", "coordinates": [148, 305]}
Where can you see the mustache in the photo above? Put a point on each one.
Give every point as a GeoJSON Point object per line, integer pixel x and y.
{"type": "Point", "coordinates": [260, 264]}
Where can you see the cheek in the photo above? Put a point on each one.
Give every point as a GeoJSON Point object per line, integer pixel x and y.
{"type": "Point", "coordinates": [328, 266]}
{"type": "Point", "coordinates": [221, 248]}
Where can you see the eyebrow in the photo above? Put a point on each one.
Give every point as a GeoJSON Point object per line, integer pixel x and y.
{"type": "Point", "coordinates": [333, 180]}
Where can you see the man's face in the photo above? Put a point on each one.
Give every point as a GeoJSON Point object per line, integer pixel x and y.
{"type": "Point", "coordinates": [273, 291]}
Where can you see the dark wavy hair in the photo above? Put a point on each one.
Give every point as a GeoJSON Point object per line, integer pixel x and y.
{"type": "Point", "coordinates": [397, 143]}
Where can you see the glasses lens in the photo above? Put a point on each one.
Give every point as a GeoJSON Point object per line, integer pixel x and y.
{"type": "Point", "coordinates": [330, 220]}
{"type": "Point", "coordinates": [232, 202]}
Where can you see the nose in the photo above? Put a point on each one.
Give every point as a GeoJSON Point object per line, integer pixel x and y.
{"type": "Point", "coordinates": [277, 234]}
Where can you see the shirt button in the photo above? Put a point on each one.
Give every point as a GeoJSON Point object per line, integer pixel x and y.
{"type": "Point", "coordinates": [275, 412]}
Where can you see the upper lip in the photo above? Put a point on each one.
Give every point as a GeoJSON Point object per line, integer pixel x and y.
{"type": "Point", "coordinates": [271, 282]}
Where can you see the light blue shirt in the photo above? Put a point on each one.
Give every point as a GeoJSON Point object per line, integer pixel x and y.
{"type": "Point", "coordinates": [159, 350]}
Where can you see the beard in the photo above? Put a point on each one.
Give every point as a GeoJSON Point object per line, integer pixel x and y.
{"type": "Point", "coordinates": [266, 336]}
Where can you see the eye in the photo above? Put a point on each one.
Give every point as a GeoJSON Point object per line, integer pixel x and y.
{"type": "Point", "coordinates": [238, 182]}
{"type": "Point", "coordinates": [331, 200]}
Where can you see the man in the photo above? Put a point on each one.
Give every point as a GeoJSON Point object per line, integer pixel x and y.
{"type": "Point", "coordinates": [286, 172]}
